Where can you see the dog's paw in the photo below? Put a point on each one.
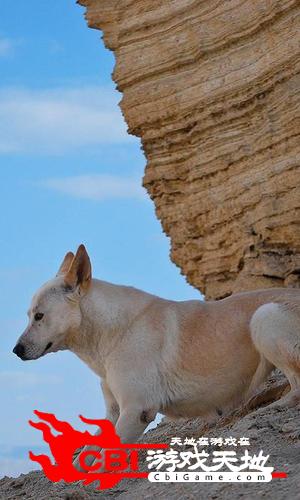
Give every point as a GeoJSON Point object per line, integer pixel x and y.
{"type": "Point", "coordinates": [291, 400]}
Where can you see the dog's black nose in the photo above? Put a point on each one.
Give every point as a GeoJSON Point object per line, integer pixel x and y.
{"type": "Point", "coordinates": [19, 350]}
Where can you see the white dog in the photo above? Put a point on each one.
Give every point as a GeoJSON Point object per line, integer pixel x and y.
{"type": "Point", "coordinates": [182, 359]}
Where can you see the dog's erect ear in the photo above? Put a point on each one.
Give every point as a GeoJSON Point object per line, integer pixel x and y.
{"type": "Point", "coordinates": [66, 264]}
{"type": "Point", "coordinates": [80, 271]}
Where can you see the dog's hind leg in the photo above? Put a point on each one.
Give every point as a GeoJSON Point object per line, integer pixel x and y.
{"type": "Point", "coordinates": [275, 330]}
{"type": "Point", "coordinates": [263, 370]}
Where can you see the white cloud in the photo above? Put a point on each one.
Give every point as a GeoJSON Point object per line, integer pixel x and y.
{"type": "Point", "coordinates": [55, 121]}
{"type": "Point", "coordinates": [55, 47]}
{"type": "Point", "coordinates": [97, 187]}
{"type": "Point", "coordinates": [6, 47]}
{"type": "Point", "coordinates": [19, 379]}
{"type": "Point", "coordinates": [14, 460]}
{"type": "Point", "coordinates": [13, 467]}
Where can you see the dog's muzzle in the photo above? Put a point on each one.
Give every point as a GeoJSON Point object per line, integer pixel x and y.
{"type": "Point", "coordinates": [19, 350]}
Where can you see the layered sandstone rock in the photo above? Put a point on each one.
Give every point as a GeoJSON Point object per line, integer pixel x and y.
{"type": "Point", "coordinates": [212, 88]}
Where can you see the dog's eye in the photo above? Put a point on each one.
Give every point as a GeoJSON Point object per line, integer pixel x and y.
{"type": "Point", "coordinates": [38, 316]}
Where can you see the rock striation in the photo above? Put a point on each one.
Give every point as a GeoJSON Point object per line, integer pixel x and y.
{"type": "Point", "coordinates": [213, 91]}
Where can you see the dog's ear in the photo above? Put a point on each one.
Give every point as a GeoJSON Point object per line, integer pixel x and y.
{"type": "Point", "coordinates": [80, 271]}
{"type": "Point", "coordinates": [66, 264]}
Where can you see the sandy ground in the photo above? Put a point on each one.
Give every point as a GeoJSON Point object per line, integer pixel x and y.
{"type": "Point", "coordinates": [273, 429]}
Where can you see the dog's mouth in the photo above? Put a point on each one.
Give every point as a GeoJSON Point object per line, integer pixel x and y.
{"type": "Point", "coordinates": [50, 344]}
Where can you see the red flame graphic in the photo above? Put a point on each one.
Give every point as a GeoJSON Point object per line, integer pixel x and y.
{"type": "Point", "coordinates": [64, 445]}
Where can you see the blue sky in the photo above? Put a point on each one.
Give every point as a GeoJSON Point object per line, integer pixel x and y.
{"type": "Point", "coordinates": [69, 174]}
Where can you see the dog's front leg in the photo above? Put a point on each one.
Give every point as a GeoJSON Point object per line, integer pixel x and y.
{"type": "Point", "coordinates": [112, 414]}
{"type": "Point", "coordinates": [131, 424]}
{"type": "Point", "coordinates": [112, 407]}
{"type": "Point", "coordinates": [133, 421]}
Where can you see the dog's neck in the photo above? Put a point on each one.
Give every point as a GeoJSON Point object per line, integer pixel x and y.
{"type": "Point", "coordinates": [107, 312]}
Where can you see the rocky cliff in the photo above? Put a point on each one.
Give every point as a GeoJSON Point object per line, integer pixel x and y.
{"type": "Point", "coordinates": [212, 89]}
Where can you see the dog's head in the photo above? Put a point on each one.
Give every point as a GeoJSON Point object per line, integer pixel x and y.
{"type": "Point", "coordinates": [55, 309]}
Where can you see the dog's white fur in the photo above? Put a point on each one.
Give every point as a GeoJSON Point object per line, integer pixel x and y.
{"type": "Point", "coordinates": [183, 359]}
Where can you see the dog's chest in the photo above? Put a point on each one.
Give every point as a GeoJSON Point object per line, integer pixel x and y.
{"type": "Point", "coordinates": [93, 363]}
